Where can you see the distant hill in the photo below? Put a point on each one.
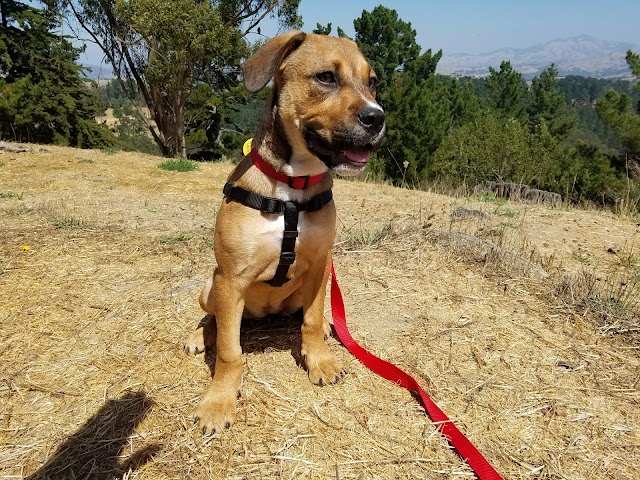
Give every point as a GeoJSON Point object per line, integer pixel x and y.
{"type": "Point", "coordinates": [98, 72]}
{"type": "Point", "coordinates": [583, 55]}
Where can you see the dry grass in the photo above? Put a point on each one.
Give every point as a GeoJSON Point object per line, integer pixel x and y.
{"type": "Point", "coordinates": [93, 313]}
{"type": "Point", "coordinates": [111, 120]}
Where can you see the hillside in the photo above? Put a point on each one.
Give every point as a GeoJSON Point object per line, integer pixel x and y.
{"type": "Point", "coordinates": [583, 55]}
{"type": "Point", "coordinates": [101, 259]}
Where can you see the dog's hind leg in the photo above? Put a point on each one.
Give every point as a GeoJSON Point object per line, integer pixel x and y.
{"type": "Point", "coordinates": [326, 328]}
{"type": "Point", "coordinates": [202, 338]}
{"type": "Point", "coordinates": [205, 335]}
{"type": "Point", "coordinates": [206, 297]}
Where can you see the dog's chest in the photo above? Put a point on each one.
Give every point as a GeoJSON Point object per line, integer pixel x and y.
{"type": "Point", "coordinates": [271, 232]}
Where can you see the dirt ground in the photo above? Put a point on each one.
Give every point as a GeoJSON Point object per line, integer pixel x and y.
{"type": "Point", "coordinates": [101, 260]}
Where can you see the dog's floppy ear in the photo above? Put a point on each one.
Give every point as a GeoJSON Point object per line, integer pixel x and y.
{"type": "Point", "coordinates": [260, 67]}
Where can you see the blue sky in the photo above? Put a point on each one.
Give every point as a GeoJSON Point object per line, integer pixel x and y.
{"type": "Point", "coordinates": [466, 26]}
{"type": "Point", "coordinates": [483, 26]}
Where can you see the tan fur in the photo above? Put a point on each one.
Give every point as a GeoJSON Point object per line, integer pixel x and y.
{"type": "Point", "coordinates": [247, 242]}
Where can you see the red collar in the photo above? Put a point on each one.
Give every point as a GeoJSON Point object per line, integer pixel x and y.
{"type": "Point", "coordinates": [299, 183]}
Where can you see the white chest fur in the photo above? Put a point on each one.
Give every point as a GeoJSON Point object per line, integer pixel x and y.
{"type": "Point", "coordinates": [272, 228]}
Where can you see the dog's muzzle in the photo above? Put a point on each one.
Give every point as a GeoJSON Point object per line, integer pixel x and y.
{"type": "Point", "coordinates": [350, 149]}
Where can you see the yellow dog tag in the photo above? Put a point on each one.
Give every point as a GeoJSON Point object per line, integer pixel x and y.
{"type": "Point", "coordinates": [246, 148]}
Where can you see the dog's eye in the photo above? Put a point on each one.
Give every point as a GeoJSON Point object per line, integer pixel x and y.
{"type": "Point", "coordinates": [328, 78]}
{"type": "Point", "coordinates": [373, 84]}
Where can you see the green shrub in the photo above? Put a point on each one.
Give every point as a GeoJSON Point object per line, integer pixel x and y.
{"type": "Point", "coordinates": [179, 165]}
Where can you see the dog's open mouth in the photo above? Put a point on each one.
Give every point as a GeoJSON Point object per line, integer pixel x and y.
{"type": "Point", "coordinates": [343, 153]}
{"type": "Point", "coordinates": [358, 157]}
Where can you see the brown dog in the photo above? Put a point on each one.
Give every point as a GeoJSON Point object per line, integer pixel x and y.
{"type": "Point", "coordinates": [321, 115]}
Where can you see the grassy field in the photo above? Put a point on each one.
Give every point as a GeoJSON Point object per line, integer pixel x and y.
{"type": "Point", "coordinates": [520, 321]}
{"type": "Point", "coordinates": [110, 120]}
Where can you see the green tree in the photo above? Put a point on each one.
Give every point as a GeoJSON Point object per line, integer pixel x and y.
{"type": "Point", "coordinates": [486, 148]}
{"type": "Point", "coordinates": [618, 112]}
{"type": "Point", "coordinates": [218, 124]}
{"type": "Point", "coordinates": [506, 91]}
{"type": "Point", "coordinates": [548, 105]}
{"type": "Point", "coordinates": [633, 60]}
{"type": "Point", "coordinates": [581, 95]}
{"type": "Point", "coordinates": [588, 174]}
{"type": "Point", "coordinates": [465, 104]}
{"type": "Point", "coordinates": [326, 30]}
{"type": "Point", "coordinates": [387, 42]}
{"type": "Point", "coordinates": [323, 30]}
{"type": "Point", "coordinates": [169, 47]}
{"type": "Point", "coordinates": [416, 102]}
{"type": "Point", "coordinates": [43, 97]}
{"type": "Point", "coordinates": [586, 90]}
{"type": "Point", "coordinates": [418, 116]}
{"type": "Point", "coordinates": [342, 34]}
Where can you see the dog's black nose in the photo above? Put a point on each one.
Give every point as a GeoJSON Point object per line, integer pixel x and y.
{"type": "Point", "coordinates": [372, 118]}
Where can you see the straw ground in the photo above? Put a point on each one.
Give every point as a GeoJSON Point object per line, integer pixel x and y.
{"type": "Point", "coordinates": [513, 317]}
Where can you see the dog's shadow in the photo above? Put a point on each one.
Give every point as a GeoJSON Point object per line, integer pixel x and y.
{"type": "Point", "coordinates": [273, 333]}
{"type": "Point", "coordinates": [93, 451]}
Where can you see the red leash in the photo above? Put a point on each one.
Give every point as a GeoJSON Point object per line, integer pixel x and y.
{"type": "Point", "coordinates": [482, 468]}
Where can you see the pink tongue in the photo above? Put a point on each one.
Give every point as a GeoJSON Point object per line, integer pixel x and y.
{"type": "Point", "coordinates": [358, 155]}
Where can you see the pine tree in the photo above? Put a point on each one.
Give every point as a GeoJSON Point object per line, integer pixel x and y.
{"type": "Point", "coordinates": [416, 101]}
{"type": "Point", "coordinates": [548, 106]}
{"type": "Point", "coordinates": [418, 114]}
{"type": "Point", "coordinates": [388, 43]}
{"type": "Point", "coordinates": [322, 30]}
{"type": "Point", "coordinates": [465, 104]}
{"type": "Point", "coordinates": [43, 97]}
{"type": "Point", "coordinates": [618, 112]}
{"type": "Point", "coordinates": [506, 92]}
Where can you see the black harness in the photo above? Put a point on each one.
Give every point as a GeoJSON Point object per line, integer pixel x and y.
{"type": "Point", "coordinates": [291, 212]}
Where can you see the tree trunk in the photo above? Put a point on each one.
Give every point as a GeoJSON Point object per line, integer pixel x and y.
{"type": "Point", "coordinates": [3, 13]}
{"type": "Point", "coordinates": [179, 123]}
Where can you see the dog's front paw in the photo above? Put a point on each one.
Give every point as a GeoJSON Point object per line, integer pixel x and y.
{"type": "Point", "coordinates": [216, 411]}
{"type": "Point", "coordinates": [322, 366]}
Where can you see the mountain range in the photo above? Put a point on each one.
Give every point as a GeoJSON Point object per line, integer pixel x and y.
{"type": "Point", "coordinates": [99, 73]}
{"type": "Point", "coordinates": [583, 55]}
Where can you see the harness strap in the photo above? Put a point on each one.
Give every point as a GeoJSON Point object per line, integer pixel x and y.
{"type": "Point", "coordinates": [291, 212]}
{"type": "Point", "coordinates": [288, 251]}
{"type": "Point", "coordinates": [274, 205]}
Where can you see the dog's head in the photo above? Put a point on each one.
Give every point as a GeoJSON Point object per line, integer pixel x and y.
{"type": "Point", "coordinates": [324, 98]}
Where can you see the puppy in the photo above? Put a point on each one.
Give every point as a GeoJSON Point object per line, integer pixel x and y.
{"type": "Point", "coordinates": [276, 225]}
